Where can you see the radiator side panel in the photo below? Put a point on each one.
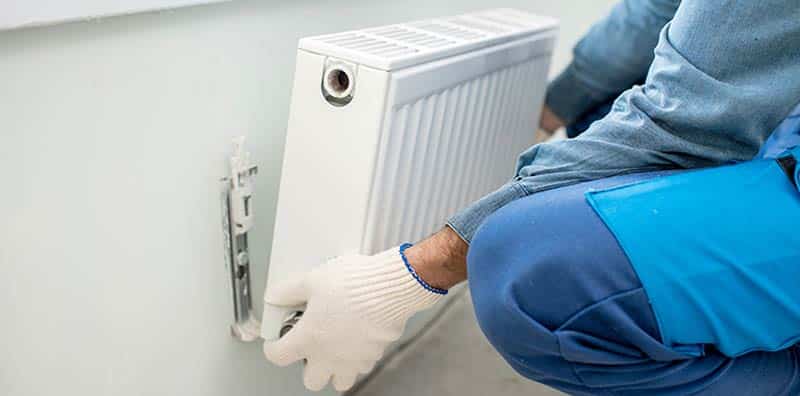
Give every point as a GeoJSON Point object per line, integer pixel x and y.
{"type": "Point", "coordinates": [326, 176]}
{"type": "Point", "coordinates": [453, 139]}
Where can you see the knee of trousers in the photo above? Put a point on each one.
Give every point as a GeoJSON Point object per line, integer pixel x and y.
{"type": "Point", "coordinates": [533, 266]}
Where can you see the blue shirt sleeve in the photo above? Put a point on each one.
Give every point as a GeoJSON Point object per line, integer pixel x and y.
{"type": "Point", "coordinates": [610, 58]}
{"type": "Point", "coordinates": [723, 77]}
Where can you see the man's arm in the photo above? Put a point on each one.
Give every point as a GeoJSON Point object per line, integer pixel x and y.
{"type": "Point", "coordinates": [724, 75]}
{"type": "Point", "coordinates": [441, 260]}
{"type": "Point", "coordinates": [613, 55]}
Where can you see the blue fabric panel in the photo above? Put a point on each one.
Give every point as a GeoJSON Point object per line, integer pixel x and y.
{"type": "Point", "coordinates": [717, 252]}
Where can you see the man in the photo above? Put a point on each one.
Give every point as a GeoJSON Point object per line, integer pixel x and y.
{"type": "Point", "coordinates": [602, 268]}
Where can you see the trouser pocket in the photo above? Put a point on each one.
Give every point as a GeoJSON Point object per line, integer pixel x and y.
{"type": "Point", "coordinates": [717, 251]}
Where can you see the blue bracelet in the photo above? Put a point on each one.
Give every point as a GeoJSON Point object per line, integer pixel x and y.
{"type": "Point", "coordinates": [410, 269]}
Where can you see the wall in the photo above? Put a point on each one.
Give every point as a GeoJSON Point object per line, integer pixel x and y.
{"type": "Point", "coordinates": [113, 134]}
{"type": "Point", "coordinates": [17, 14]}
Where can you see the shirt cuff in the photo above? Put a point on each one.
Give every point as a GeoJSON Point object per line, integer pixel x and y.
{"type": "Point", "coordinates": [467, 221]}
{"type": "Point", "coordinates": [569, 98]}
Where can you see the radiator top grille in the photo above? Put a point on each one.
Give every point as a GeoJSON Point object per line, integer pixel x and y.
{"type": "Point", "coordinates": [402, 45]}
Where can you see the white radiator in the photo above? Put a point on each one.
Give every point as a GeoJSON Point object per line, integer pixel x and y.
{"type": "Point", "coordinates": [393, 129]}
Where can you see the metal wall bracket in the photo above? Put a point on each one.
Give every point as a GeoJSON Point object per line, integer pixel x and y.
{"type": "Point", "coordinates": [237, 220]}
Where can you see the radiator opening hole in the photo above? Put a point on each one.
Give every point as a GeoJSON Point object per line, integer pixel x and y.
{"type": "Point", "coordinates": [337, 85]}
{"type": "Point", "coordinates": [338, 81]}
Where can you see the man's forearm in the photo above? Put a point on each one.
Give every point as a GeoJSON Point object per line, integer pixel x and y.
{"type": "Point", "coordinates": [441, 259]}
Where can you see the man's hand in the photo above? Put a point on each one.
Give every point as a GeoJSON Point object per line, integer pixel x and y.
{"type": "Point", "coordinates": [357, 305]}
{"type": "Point", "coordinates": [549, 121]}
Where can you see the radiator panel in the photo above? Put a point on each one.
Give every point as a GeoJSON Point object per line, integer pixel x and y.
{"type": "Point", "coordinates": [468, 136]}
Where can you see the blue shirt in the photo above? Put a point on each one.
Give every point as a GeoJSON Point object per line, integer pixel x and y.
{"type": "Point", "coordinates": [722, 76]}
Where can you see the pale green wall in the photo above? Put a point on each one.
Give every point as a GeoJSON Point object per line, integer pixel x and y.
{"type": "Point", "coordinates": [112, 135]}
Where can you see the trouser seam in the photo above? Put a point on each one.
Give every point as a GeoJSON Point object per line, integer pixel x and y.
{"type": "Point", "coordinates": [577, 314]}
{"type": "Point", "coordinates": [573, 368]}
{"type": "Point", "coordinates": [572, 365]}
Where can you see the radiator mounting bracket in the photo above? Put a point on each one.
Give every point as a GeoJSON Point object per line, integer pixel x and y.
{"type": "Point", "coordinates": [237, 221]}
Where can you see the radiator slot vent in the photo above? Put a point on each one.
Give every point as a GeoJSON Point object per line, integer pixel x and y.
{"type": "Point", "coordinates": [402, 45]}
{"type": "Point", "coordinates": [455, 33]}
{"type": "Point", "coordinates": [411, 37]}
{"type": "Point", "coordinates": [479, 25]}
{"type": "Point", "coordinates": [369, 44]}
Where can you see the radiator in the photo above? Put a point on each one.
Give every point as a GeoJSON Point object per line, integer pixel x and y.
{"type": "Point", "coordinates": [395, 128]}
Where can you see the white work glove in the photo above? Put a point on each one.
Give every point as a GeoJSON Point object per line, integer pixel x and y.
{"type": "Point", "coordinates": [356, 306]}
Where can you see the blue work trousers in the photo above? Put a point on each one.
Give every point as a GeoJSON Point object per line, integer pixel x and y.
{"type": "Point", "coordinates": [559, 299]}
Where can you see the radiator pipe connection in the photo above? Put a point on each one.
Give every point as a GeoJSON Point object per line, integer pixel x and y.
{"type": "Point", "coordinates": [289, 323]}
{"type": "Point", "coordinates": [338, 83]}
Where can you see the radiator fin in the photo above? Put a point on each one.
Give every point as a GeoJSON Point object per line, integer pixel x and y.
{"type": "Point", "coordinates": [462, 130]}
